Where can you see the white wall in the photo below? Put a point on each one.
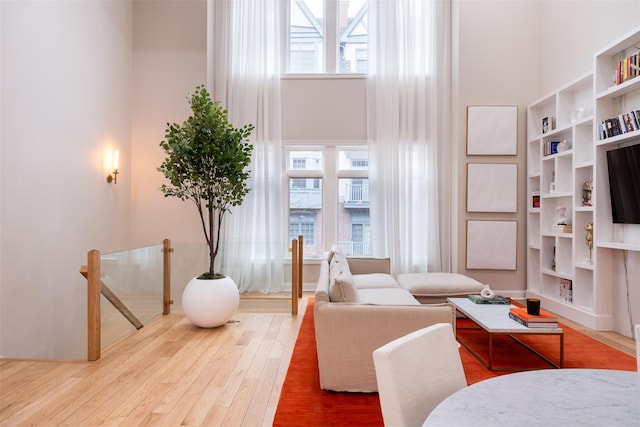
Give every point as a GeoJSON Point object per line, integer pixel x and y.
{"type": "Point", "coordinates": [574, 30]}
{"type": "Point", "coordinates": [497, 63]}
{"type": "Point", "coordinates": [169, 60]}
{"type": "Point", "coordinates": [66, 79]}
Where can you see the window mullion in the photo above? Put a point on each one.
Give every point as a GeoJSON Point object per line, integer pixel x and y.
{"type": "Point", "coordinates": [330, 197]}
{"type": "Point", "coordinates": [352, 173]}
{"type": "Point", "coordinates": [285, 17]}
{"type": "Point", "coordinates": [331, 36]}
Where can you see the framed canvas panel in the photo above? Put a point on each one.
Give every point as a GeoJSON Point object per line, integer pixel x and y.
{"type": "Point", "coordinates": [491, 245]}
{"type": "Point", "coordinates": [492, 130]}
{"type": "Point", "coordinates": [492, 187]}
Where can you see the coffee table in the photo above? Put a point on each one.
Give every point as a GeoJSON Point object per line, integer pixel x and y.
{"type": "Point", "coordinates": [494, 319]}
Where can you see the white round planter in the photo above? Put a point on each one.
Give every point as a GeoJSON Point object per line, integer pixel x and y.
{"type": "Point", "coordinates": [210, 303]}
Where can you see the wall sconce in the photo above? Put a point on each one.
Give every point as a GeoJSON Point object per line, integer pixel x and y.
{"type": "Point", "coordinates": [113, 176]}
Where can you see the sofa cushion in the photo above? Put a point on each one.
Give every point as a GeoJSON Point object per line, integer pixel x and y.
{"type": "Point", "coordinates": [337, 264]}
{"type": "Point", "coordinates": [386, 296]}
{"type": "Point", "coordinates": [338, 258]}
{"type": "Point", "coordinates": [322, 289]}
{"type": "Point", "coordinates": [436, 284]}
{"type": "Point", "coordinates": [342, 287]}
{"type": "Point", "coordinates": [375, 281]}
{"type": "Point", "coordinates": [331, 252]}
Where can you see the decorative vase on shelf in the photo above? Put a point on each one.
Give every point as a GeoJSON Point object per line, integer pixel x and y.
{"type": "Point", "coordinates": [562, 218]}
{"type": "Point", "coordinates": [209, 303]}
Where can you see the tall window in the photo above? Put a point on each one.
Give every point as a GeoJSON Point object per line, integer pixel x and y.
{"type": "Point", "coordinates": [328, 36]}
{"type": "Point", "coordinates": [354, 236]}
{"type": "Point", "coordinates": [305, 198]}
{"type": "Point", "coordinates": [303, 224]}
{"type": "Point", "coordinates": [353, 33]}
{"type": "Point", "coordinates": [329, 199]}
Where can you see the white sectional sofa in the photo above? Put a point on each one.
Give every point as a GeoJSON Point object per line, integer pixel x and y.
{"type": "Point", "coordinates": [429, 288]}
{"type": "Point", "coordinates": [359, 307]}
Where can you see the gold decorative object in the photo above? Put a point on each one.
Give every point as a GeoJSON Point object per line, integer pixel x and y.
{"type": "Point", "coordinates": [589, 237]}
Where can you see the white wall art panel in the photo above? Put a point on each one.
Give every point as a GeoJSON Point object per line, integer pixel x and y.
{"type": "Point", "coordinates": [491, 245]}
{"type": "Point", "coordinates": [492, 187]}
{"type": "Point", "coordinates": [492, 130]}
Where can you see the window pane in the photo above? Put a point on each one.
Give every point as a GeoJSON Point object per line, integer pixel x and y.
{"type": "Point", "coordinates": [305, 160]}
{"type": "Point", "coordinates": [306, 36]}
{"type": "Point", "coordinates": [353, 160]}
{"type": "Point", "coordinates": [353, 36]}
{"type": "Point", "coordinates": [305, 213]}
{"type": "Point", "coordinates": [354, 233]}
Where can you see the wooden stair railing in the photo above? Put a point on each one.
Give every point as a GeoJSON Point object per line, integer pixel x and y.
{"type": "Point", "coordinates": [167, 250]}
{"type": "Point", "coordinates": [96, 287]}
{"type": "Point", "coordinates": [297, 258]}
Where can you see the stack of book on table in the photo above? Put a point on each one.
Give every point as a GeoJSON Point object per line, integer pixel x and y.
{"type": "Point", "coordinates": [497, 299]}
{"type": "Point", "coordinates": [543, 320]}
{"type": "Point", "coordinates": [562, 228]}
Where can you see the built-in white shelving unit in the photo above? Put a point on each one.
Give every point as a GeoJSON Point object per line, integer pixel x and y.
{"type": "Point", "coordinates": [560, 160]}
{"type": "Point", "coordinates": [611, 100]}
{"type": "Point", "coordinates": [556, 257]}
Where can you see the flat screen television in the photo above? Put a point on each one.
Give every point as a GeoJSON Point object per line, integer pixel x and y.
{"type": "Point", "coordinates": [624, 184]}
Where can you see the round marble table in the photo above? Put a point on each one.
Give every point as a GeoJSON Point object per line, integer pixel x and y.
{"type": "Point", "coordinates": [550, 397]}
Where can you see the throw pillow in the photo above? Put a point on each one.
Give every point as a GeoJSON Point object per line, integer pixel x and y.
{"type": "Point", "coordinates": [343, 287]}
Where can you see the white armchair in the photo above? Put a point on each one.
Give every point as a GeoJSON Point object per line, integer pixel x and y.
{"type": "Point", "coordinates": [416, 372]}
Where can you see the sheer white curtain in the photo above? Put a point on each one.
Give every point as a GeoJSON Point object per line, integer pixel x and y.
{"type": "Point", "coordinates": [409, 132]}
{"type": "Point", "coordinates": [244, 72]}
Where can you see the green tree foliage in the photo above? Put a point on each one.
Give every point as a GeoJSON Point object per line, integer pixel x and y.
{"type": "Point", "coordinates": [207, 161]}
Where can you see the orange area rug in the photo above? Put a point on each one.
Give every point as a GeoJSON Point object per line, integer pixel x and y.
{"type": "Point", "coordinates": [303, 402]}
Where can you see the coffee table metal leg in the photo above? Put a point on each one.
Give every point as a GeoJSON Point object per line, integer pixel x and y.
{"type": "Point", "coordinates": [489, 362]}
{"type": "Point", "coordinates": [562, 349]}
{"type": "Point", "coordinates": [490, 351]}
{"type": "Point", "coordinates": [540, 355]}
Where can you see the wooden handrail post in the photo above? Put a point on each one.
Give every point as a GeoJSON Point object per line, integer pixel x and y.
{"type": "Point", "coordinates": [93, 305]}
{"type": "Point", "coordinates": [166, 280]}
{"type": "Point", "coordinates": [300, 263]}
{"type": "Point", "coordinates": [294, 277]}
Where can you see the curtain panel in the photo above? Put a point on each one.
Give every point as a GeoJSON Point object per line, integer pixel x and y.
{"type": "Point", "coordinates": [244, 75]}
{"type": "Point", "coordinates": [408, 89]}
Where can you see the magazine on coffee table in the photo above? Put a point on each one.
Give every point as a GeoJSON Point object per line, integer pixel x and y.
{"type": "Point", "coordinates": [498, 299]}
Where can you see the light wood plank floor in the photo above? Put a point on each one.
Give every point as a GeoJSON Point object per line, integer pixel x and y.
{"type": "Point", "coordinates": [171, 373]}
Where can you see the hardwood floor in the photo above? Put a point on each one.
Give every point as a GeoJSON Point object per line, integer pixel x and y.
{"type": "Point", "coordinates": [171, 373]}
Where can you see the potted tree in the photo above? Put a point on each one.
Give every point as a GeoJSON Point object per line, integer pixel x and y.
{"type": "Point", "coordinates": [206, 162]}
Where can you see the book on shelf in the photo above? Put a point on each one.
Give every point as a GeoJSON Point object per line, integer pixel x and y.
{"type": "Point", "coordinates": [619, 125]}
{"type": "Point", "coordinates": [548, 124]}
{"type": "Point", "coordinates": [543, 317]}
{"type": "Point", "coordinates": [561, 228]}
{"type": "Point", "coordinates": [551, 147]}
{"type": "Point", "coordinates": [566, 290]}
{"type": "Point", "coordinates": [498, 299]}
{"type": "Point", "coordinates": [628, 68]}
{"type": "Point", "coordinates": [533, 324]}
{"type": "Point", "coordinates": [535, 199]}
